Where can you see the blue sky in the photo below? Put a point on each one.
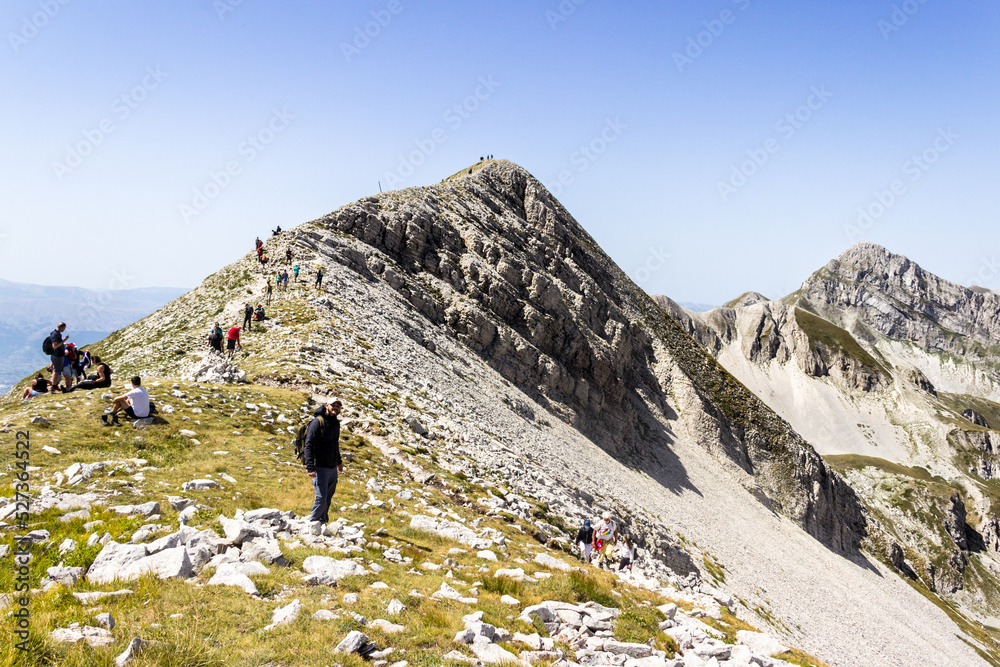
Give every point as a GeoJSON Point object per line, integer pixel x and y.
{"type": "Point", "coordinates": [709, 147]}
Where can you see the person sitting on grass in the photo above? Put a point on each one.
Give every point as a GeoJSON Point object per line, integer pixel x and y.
{"type": "Point", "coordinates": [135, 404]}
{"type": "Point", "coordinates": [39, 385]}
{"type": "Point", "coordinates": [100, 380]}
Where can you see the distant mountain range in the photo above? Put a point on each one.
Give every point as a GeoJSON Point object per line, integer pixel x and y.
{"type": "Point", "coordinates": [29, 312]}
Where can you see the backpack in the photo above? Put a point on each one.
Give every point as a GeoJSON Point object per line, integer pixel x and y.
{"type": "Point", "coordinates": [47, 345]}
{"type": "Point", "coordinates": [299, 441]}
{"type": "Point", "coordinates": [71, 353]}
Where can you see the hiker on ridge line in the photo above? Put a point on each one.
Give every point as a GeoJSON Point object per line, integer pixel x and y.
{"type": "Point", "coordinates": [321, 456]}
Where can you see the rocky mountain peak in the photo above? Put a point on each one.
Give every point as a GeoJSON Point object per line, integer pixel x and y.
{"type": "Point", "coordinates": [870, 292]}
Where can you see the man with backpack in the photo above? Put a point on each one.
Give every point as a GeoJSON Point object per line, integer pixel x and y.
{"type": "Point", "coordinates": [55, 347]}
{"type": "Point", "coordinates": [585, 540]}
{"type": "Point", "coordinates": [295, 270]}
{"type": "Point", "coordinates": [215, 338]}
{"type": "Point", "coordinates": [321, 456]}
{"type": "Point", "coordinates": [247, 317]}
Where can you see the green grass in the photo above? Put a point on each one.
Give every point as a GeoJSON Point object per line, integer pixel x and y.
{"type": "Point", "coordinates": [835, 339]}
{"type": "Point", "coordinates": [844, 462]}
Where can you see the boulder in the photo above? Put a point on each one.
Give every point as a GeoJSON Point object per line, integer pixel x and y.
{"type": "Point", "coordinates": [265, 551]}
{"type": "Point", "coordinates": [112, 561]}
{"type": "Point", "coordinates": [96, 596]}
{"type": "Point", "coordinates": [329, 570]}
{"type": "Point", "coordinates": [134, 647]}
{"type": "Point", "coordinates": [351, 643]}
{"type": "Point", "coordinates": [96, 637]}
{"type": "Point", "coordinates": [145, 509]}
{"type": "Point", "coordinates": [105, 620]}
{"type": "Point", "coordinates": [199, 485]}
{"type": "Point", "coordinates": [179, 503]}
{"type": "Point", "coordinates": [386, 626]}
{"type": "Point", "coordinates": [285, 615]}
{"type": "Point", "coordinates": [630, 649]}
{"type": "Point", "coordinates": [224, 576]}
{"type": "Point", "coordinates": [167, 564]}
{"type": "Point", "coordinates": [760, 643]}
{"type": "Point", "coordinates": [552, 563]}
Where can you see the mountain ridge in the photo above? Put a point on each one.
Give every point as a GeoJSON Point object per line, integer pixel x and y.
{"type": "Point", "coordinates": [479, 311]}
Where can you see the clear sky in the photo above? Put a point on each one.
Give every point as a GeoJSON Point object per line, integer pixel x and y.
{"type": "Point", "coordinates": [711, 147]}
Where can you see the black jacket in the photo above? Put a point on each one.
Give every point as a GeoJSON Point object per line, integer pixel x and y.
{"type": "Point", "coordinates": [322, 448]}
{"type": "Point", "coordinates": [585, 535]}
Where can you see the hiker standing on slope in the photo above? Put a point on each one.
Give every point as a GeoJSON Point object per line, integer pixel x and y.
{"type": "Point", "coordinates": [215, 338]}
{"type": "Point", "coordinates": [321, 455]}
{"type": "Point", "coordinates": [585, 540]}
{"type": "Point", "coordinates": [55, 344]}
{"type": "Point", "coordinates": [233, 341]}
{"type": "Point", "coordinates": [268, 291]}
{"type": "Point", "coordinates": [605, 535]}
{"type": "Point", "coordinates": [247, 317]}
{"type": "Point", "coordinates": [319, 278]}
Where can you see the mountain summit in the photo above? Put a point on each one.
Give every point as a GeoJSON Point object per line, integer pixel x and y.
{"type": "Point", "coordinates": [893, 374]}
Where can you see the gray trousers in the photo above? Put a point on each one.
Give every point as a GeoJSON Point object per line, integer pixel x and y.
{"type": "Point", "coordinates": [325, 483]}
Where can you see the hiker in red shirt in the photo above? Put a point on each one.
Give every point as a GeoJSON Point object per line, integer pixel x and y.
{"type": "Point", "coordinates": [234, 340]}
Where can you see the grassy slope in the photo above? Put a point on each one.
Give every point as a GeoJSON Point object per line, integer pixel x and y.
{"type": "Point", "coordinates": [222, 625]}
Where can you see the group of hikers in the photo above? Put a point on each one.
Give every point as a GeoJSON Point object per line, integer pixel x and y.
{"type": "Point", "coordinates": [69, 367]}
{"type": "Point", "coordinates": [232, 337]}
{"type": "Point", "coordinates": [281, 276]}
{"type": "Point", "coordinates": [598, 543]}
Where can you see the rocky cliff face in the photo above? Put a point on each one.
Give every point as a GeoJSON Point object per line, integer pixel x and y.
{"type": "Point", "coordinates": [880, 363]}
{"type": "Point", "coordinates": [869, 290]}
{"type": "Point", "coordinates": [499, 264]}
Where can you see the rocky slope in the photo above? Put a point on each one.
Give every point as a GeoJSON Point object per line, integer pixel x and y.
{"type": "Point", "coordinates": [889, 371]}
{"type": "Point", "coordinates": [476, 321]}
